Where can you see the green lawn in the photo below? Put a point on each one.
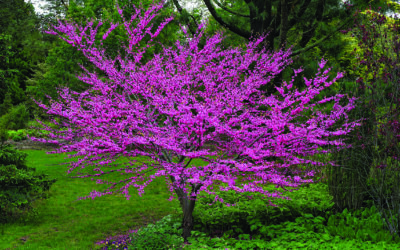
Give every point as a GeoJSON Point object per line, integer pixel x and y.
{"type": "Point", "coordinates": [65, 223]}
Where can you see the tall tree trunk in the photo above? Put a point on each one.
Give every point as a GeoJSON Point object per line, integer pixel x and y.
{"type": "Point", "coordinates": [284, 24]}
{"type": "Point", "coordinates": [284, 15]}
{"type": "Point", "coordinates": [271, 25]}
{"type": "Point", "coordinates": [260, 20]}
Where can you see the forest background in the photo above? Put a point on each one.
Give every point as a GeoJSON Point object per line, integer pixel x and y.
{"type": "Point", "coordinates": [34, 64]}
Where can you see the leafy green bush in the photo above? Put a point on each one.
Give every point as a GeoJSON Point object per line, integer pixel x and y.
{"type": "Point", "coordinates": [16, 118]}
{"type": "Point", "coordinates": [308, 219]}
{"type": "Point", "coordinates": [19, 186]}
{"type": "Point", "coordinates": [3, 135]}
{"type": "Point", "coordinates": [366, 225]}
{"type": "Point", "coordinates": [37, 133]}
{"type": "Point", "coordinates": [7, 104]}
{"type": "Point", "coordinates": [17, 135]}
{"type": "Point", "coordinates": [163, 235]}
{"type": "Point", "coordinates": [34, 128]}
{"type": "Point", "coordinates": [251, 213]}
{"type": "Point", "coordinates": [17, 138]}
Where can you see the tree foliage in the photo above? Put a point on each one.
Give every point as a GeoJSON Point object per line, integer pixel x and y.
{"type": "Point", "coordinates": [20, 49]}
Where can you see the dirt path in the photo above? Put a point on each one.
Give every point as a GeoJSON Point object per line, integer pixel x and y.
{"type": "Point", "coordinates": [28, 144]}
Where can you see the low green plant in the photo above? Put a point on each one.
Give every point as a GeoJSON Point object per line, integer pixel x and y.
{"type": "Point", "coordinates": [16, 118]}
{"type": "Point", "coordinates": [35, 129]}
{"type": "Point", "coordinates": [7, 104]}
{"type": "Point", "coordinates": [162, 235]}
{"type": "Point", "coordinates": [251, 212]}
{"type": "Point", "coordinates": [17, 138]}
{"type": "Point", "coordinates": [36, 133]}
{"type": "Point", "coordinates": [308, 232]}
{"type": "Point", "coordinates": [366, 225]}
{"type": "Point", "coordinates": [19, 185]}
{"type": "Point", "coordinates": [19, 134]}
{"type": "Point", "coordinates": [3, 135]}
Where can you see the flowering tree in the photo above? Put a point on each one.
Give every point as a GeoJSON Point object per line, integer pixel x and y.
{"type": "Point", "coordinates": [169, 108]}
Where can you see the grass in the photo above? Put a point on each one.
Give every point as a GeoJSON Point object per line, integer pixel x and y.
{"type": "Point", "coordinates": [65, 223]}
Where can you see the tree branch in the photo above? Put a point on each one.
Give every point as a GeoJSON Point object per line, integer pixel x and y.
{"type": "Point", "coordinates": [234, 29]}
{"type": "Point", "coordinates": [297, 52]}
{"type": "Point", "coordinates": [228, 10]}
{"type": "Point", "coordinates": [183, 11]}
{"type": "Point", "coordinates": [312, 27]}
{"type": "Point", "coordinates": [299, 14]}
{"type": "Point", "coordinates": [65, 6]}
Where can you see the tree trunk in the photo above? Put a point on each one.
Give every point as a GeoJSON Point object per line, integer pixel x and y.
{"type": "Point", "coordinates": [187, 209]}
{"type": "Point", "coordinates": [187, 221]}
{"type": "Point", "coordinates": [260, 20]}
{"type": "Point", "coordinates": [284, 24]}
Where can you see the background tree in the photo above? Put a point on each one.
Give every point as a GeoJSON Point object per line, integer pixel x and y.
{"type": "Point", "coordinates": [20, 49]}
{"type": "Point", "coordinates": [61, 65]}
{"type": "Point", "coordinates": [305, 24]}
{"type": "Point", "coordinates": [7, 104]}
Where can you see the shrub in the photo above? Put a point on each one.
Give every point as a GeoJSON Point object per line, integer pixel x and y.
{"type": "Point", "coordinates": [11, 156]}
{"type": "Point", "coordinates": [250, 214]}
{"type": "Point", "coordinates": [35, 129]}
{"type": "Point", "coordinates": [19, 186]}
{"type": "Point", "coordinates": [7, 104]}
{"type": "Point", "coordinates": [17, 135]}
{"type": "Point", "coordinates": [3, 135]}
{"type": "Point", "coordinates": [16, 119]}
{"type": "Point", "coordinates": [17, 138]}
{"type": "Point", "coordinates": [163, 235]}
{"type": "Point", "coordinates": [365, 224]}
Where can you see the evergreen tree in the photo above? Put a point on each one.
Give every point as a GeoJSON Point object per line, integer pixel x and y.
{"type": "Point", "coordinates": [7, 105]}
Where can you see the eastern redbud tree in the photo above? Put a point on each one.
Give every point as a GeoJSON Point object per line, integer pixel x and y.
{"type": "Point", "coordinates": [182, 99]}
